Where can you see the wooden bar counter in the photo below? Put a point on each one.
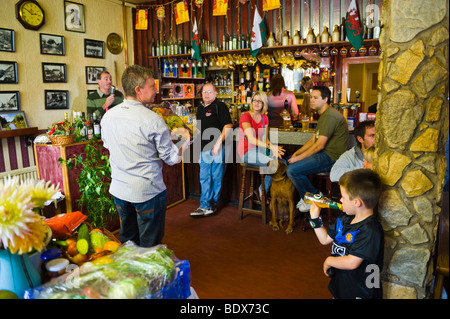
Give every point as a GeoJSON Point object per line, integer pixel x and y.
{"type": "Point", "coordinates": [48, 169]}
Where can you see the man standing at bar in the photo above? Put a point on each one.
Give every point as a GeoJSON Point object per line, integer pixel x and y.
{"type": "Point", "coordinates": [138, 141]}
{"type": "Point", "coordinates": [320, 152]}
{"type": "Point", "coordinates": [215, 124]}
{"type": "Point", "coordinates": [103, 99]}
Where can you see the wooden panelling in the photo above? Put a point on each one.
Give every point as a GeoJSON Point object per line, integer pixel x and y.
{"type": "Point", "coordinates": [292, 15]}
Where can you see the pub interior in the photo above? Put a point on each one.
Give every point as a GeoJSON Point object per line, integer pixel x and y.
{"type": "Point", "coordinates": [398, 77]}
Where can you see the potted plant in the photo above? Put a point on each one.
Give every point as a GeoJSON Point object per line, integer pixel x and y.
{"type": "Point", "coordinates": [93, 182]}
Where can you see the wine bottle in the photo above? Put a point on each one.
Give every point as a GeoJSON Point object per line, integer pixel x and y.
{"type": "Point", "coordinates": [97, 129]}
{"type": "Point", "coordinates": [321, 201]}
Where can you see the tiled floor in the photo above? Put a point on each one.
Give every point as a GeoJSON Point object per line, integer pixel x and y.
{"type": "Point", "coordinates": [232, 258]}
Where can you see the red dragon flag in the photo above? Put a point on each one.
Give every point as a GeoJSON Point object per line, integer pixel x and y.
{"type": "Point", "coordinates": [195, 42]}
{"type": "Point", "coordinates": [258, 33]}
{"type": "Point", "coordinates": [353, 26]}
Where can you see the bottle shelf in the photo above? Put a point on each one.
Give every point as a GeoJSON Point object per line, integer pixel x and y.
{"type": "Point", "coordinates": [19, 132]}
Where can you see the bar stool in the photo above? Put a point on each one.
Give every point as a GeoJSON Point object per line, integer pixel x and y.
{"type": "Point", "coordinates": [248, 168]}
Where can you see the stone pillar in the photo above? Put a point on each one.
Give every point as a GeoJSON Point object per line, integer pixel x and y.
{"type": "Point", "coordinates": [411, 131]}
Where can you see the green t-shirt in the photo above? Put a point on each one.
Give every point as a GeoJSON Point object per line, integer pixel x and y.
{"type": "Point", "coordinates": [334, 126]}
{"type": "Point", "coordinates": [96, 99]}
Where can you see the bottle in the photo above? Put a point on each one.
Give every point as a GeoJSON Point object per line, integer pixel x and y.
{"type": "Point", "coordinates": [271, 40]}
{"type": "Point", "coordinates": [321, 201]}
{"type": "Point", "coordinates": [296, 37]}
{"type": "Point", "coordinates": [342, 34]}
{"type": "Point", "coordinates": [285, 40]}
{"type": "Point", "coordinates": [90, 130]}
{"type": "Point", "coordinates": [66, 117]}
{"type": "Point", "coordinates": [369, 27]}
{"type": "Point", "coordinates": [97, 129]}
{"type": "Point", "coordinates": [376, 30]}
{"type": "Point", "coordinates": [335, 35]}
{"type": "Point", "coordinates": [310, 36]}
{"type": "Point", "coordinates": [285, 115]}
{"type": "Point", "coordinates": [325, 35]}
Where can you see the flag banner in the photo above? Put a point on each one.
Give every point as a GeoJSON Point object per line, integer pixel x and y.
{"type": "Point", "coordinates": [141, 19]}
{"type": "Point", "coordinates": [195, 51]}
{"type": "Point", "coordinates": [220, 7]}
{"type": "Point", "coordinates": [160, 13]}
{"type": "Point", "coordinates": [353, 26]}
{"type": "Point", "coordinates": [181, 12]}
{"type": "Point", "coordinates": [258, 33]}
{"type": "Point", "coordinates": [271, 4]}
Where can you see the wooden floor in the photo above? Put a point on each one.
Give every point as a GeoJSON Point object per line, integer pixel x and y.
{"type": "Point", "coordinates": [232, 258]}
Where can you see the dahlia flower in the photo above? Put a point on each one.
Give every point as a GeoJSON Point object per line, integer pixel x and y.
{"type": "Point", "coordinates": [21, 229]}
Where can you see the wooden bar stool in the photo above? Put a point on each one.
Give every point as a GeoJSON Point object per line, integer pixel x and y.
{"type": "Point", "coordinates": [248, 168]}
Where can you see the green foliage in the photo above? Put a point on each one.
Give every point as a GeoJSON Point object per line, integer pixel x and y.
{"type": "Point", "coordinates": [93, 182]}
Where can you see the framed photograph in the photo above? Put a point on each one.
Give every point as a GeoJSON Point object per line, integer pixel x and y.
{"type": "Point", "coordinates": [52, 44]}
{"type": "Point", "coordinates": [74, 16]}
{"type": "Point", "coordinates": [94, 49]}
{"type": "Point", "coordinates": [7, 40]}
{"type": "Point", "coordinates": [54, 72]}
{"type": "Point", "coordinates": [9, 101]}
{"type": "Point", "coordinates": [91, 73]}
{"type": "Point", "coordinates": [13, 120]}
{"type": "Point", "coordinates": [56, 99]}
{"type": "Point", "coordinates": [8, 72]}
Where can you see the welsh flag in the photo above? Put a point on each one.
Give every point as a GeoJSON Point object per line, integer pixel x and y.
{"type": "Point", "coordinates": [258, 33]}
{"type": "Point", "coordinates": [195, 42]}
{"type": "Point", "coordinates": [353, 26]}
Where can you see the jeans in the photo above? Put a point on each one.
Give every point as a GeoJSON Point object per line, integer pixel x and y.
{"type": "Point", "coordinates": [212, 169]}
{"type": "Point", "coordinates": [258, 157]}
{"type": "Point", "coordinates": [298, 172]}
{"type": "Point", "coordinates": [142, 223]}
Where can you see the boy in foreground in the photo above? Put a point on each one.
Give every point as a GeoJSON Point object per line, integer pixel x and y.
{"type": "Point", "coordinates": [356, 257]}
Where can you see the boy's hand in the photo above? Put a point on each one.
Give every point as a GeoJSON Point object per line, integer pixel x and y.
{"type": "Point", "coordinates": [314, 211]}
{"type": "Point", "coordinates": [326, 266]}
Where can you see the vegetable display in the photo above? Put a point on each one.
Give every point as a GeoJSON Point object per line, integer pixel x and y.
{"type": "Point", "coordinates": [132, 272]}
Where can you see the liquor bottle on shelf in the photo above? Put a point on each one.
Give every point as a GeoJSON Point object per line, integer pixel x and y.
{"type": "Point", "coordinates": [271, 40]}
{"type": "Point", "coordinates": [286, 116]}
{"type": "Point", "coordinates": [376, 29]}
{"type": "Point", "coordinates": [90, 129]}
{"type": "Point", "coordinates": [310, 36]}
{"type": "Point", "coordinates": [66, 117]}
{"type": "Point", "coordinates": [342, 30]}
{"type": "Point", "coordinates": [325, 36]}
{"type": "Point", "coordinates": [335, 35]}
{"type": "Point", "coordinates": [296, 37]}
{"type": "Point", "coordinates": [369, 28]}
{"type": "Point", "coordinates": [321, 201]}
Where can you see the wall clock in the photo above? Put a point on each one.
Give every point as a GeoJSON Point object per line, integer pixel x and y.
{"type": "Point", "coordinates": [30, 14]}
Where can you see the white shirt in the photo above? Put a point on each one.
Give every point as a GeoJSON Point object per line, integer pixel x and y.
{"type": "Point", "coordinates": [138, 141]}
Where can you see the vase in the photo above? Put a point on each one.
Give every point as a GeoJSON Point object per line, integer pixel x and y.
{"type": "Point", "coordinates": [17, 273]}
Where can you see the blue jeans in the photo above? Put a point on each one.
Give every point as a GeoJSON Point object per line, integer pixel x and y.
{"type": "Point", "coordinates": [212, 169]}
{"type": "Point", "coordinates": [298, 172]}
{"type": "Point", "coordinates": [142, 223]}
{"type": "Point", "coordinates": [258, 157]}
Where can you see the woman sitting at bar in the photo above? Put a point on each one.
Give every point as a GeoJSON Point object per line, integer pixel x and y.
{"type": "Point", "coordinates": [276, 97]}
{"type": "Point", "coordinates": [254, 147]}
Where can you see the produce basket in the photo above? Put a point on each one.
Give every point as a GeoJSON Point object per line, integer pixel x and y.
{"type": "Point", "coordinates": [132, 272]}
{"type": "Point", "coordinates": [59, 140]}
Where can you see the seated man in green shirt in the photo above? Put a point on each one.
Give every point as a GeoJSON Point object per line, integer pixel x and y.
{"type": "Point", "coordinates": [102, 100]}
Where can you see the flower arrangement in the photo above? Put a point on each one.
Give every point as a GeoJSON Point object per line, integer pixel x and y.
{"type": "Point", "coordinates": [21, 227]}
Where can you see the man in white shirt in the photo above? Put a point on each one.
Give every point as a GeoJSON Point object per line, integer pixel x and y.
{"type": "Point", "coordinates": [138, 141]}
{"type": "Point", "coordinates": [354, 157]}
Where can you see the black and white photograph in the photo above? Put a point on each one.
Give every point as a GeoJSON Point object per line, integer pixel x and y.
{"type": "Point", "coordinates": [9, 101]}
{"type": "Point", "coordinates": [8, 72]}
{"type": "Point", "coordinates": [56, 99]}
{"type": "Point", "coordinates": [52, 44]}
{"type": "Point", "coordinates": [74, 17]}
{"type": "Point", "coordinates": [94, 49]}
{"type": "Point", "coordinates": [54, 72]}
{"type": "Point", "coordinates": [91, 73]}
{"type": "Point", "coordinates": [7, 40]}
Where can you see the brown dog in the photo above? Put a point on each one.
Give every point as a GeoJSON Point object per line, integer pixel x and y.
{"type": "Point", "coordinates": [282, 199]}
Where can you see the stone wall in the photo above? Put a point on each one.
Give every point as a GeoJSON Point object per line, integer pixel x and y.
{"type": "Point", "coordinates": [412, 128]}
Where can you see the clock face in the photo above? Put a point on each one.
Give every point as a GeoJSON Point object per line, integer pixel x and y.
{"type": "Point", "coordinates": [31, 14]}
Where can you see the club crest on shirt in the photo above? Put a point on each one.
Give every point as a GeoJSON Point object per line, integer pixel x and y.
{"type": "Point", "coordinates": [208, 113]}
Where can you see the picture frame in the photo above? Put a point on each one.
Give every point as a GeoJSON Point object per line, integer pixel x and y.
{"type": "Point", "coordinates": [13, 120]}
{"type": "Point", "coordinates": [9, 101]}
{"type": "Point", "coordinates": [7, 41]}
{"type": "Point", "coordinates": [91, 73]}
{"type": "Point", "coordinates": [54, 72]}
{"type": "Point", "coordinates": [74, 17]}
{"type": "Point", "coordinates": [56, 99]}
{"type": "Point", "coordinates": [8, 72]}
{"type": "Point", "coordinates": [94, 49]}
{"type": "Point", "coordinates": [52, 44]}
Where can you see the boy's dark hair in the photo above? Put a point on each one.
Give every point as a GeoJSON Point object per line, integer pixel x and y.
{"type": "Point", "coordinates": [362, 183]}
{"type": "Point", "coordinates": [360, 130]}
{"type": "Point", "coordinates": [324, 92]}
